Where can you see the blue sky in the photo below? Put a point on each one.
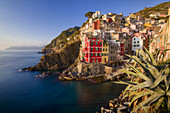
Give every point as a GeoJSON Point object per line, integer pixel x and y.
{"type": "Point", "coordinates": [37, 22]}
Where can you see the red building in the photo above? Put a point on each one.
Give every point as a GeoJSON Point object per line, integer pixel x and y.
{"type": "Point", "coordinates": [96, 25]}
{"type": "Point", "coordinates": [93, 50]}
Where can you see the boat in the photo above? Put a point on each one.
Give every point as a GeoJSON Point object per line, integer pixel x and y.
{"type": "Point", "coordinates": [43, 75]}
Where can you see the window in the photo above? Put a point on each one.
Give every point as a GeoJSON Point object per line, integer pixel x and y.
{"type": "Point", "coordinates": [137, 41]}
{"type": "Point", "coordinates": [96, 60]}
{"type": "Point", "coordinates": [93, 60]}
{"type": "Point", "coordinates": [96, 49]}
{"type": "Point", "coordinates": [91, 43]}
{"type": "Point", "coordinates": [106, 49]}
{"type": "Point", "coordinates": [100, 43]}
{"type": "Point", "coordinates": [134, 39]}
{"type": "Point", "coordinates": [134, 42]}
{"type": "Point", "coordinates": [91, 54]}
{"type": "Point", "coordinates": [106, 45]}
{"type": "Point", "coordinates": [137, 45]}
{"type": "Point", "coordinates": [91, 49]}
{"type": "Point", "coordinates": [96, 43]}
{"type": "Point", "coordinates": [103, 49]}
{"type": "Point", "coordinates": [96, 54]}
{"type": "Point", "coordinates": [100, 49]}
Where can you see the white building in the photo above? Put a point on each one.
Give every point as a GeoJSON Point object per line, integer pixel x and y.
{"type": "Point", "coordinates": [96, 14]}
{"type": "Point", "coordinates": [137, 43]}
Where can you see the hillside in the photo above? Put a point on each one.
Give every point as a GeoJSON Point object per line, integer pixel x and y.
{"type": "Point", "coordinates": [161, 8]}
{"type": "Point", "coordinates": [61, 39]}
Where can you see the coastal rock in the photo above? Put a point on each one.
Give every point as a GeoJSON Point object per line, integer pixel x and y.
{"type": "Point", "coordinates": [60, 59]}
{"type": "Point", "coordinates": [92, 69]}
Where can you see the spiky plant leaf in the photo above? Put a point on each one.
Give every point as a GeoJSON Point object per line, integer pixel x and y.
{"type": "Point", "coordinates": [145, 102]}
{"type": "Point", "coordinates": [159, 103]}
{"type": "Point", "coordinates": [138, 73]}
{"type": "Point", "coordinates": [158, 80]}
{"type": "Point", "coordinates": [141, 85]}
{"type": "Point", "coordinates": [141, 94]}
{"type": "Point", "coordinates": [151, 57]}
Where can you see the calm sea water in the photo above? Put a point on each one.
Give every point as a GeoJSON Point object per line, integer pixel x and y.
{"type": "Point", "coordinates": [20, 92]}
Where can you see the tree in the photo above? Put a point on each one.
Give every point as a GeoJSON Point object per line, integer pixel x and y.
{"type": "Point", "coordinates": [89, 14]}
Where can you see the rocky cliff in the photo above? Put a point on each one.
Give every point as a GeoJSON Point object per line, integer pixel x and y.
{"type": "Point", "coordinates": [60, 59]}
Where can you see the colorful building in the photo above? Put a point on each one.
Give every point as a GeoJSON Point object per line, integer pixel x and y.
{"type": "Point", "coordinates": [105, 52]}
{"type": "Point", "coordinates": [137, 43]}
{"type": "Point", "coordinates": [93, 49]}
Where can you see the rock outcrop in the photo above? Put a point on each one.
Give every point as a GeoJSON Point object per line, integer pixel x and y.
{"type": "Point", "coordinates": [60, 59]}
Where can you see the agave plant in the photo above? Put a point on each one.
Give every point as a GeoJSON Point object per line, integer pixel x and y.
{"type": "Point", "coordinates": [154, 72]}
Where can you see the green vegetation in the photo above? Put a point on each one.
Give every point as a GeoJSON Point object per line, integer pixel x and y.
{"type": "Point", "coordinates": [161, 8]}
{"type": "Point", "coordinates": [149, 90]}
{"type": "Point", "coordinates": [89, 14]}
{"type": "Point", "coordinates": [62, 38]}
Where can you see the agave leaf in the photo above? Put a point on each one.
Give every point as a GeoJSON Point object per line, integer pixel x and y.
{"type": "Point", "coordinates": [125, 82]}
{"type": "Point", "coordinates": [158, 80]}
{"type": "Point", "coordinates": [151, 57]}
{"type": "Point", "coordinates": [143, 66]}
{"type": "Point", "coordinates": [155, 99]}
{"type": "Point", "coordinates": [142, 85]}
{"type": "Point", "coordinates": [139, 74]}
{"type": "Point", "coordinates": [145, 102]}
{"type": "Point", "coordinates": [125, 89]}
{"type": "Point", "coordinates": [168, 93]}
{"type": "Point", "coordinates": [159, 103]}
{"type": "Point", "coordinates": [141, 94]}
{"type": "Point", "coordinates": [168, 103]}
{"type": "Point", "coordinates": [166, 83]}
{"type": "Point", "coordinates": [154, 71]}
{"type": "Point", "coordinates": [129, 94]}
{"type": "Point", "coordinates": [145, 108]}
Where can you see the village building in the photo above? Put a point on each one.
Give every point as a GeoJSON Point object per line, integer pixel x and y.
{"type": "Point", "coordinates": [97, 14]}
{"type": "Point", "coordinates": [137, 43]}
{"type": "Point", "coordinates": [93, 49]}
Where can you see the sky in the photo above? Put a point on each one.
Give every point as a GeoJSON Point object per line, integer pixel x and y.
{"type": "Point", "coordinates": [37, 22]}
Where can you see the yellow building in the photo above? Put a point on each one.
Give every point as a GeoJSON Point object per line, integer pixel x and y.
{"type": "Point", "coordinates": [105, 52]}
{"type": "Point", "coordinates": [126, 24]}
{"type": "Point", "coordinates": [147, 25]}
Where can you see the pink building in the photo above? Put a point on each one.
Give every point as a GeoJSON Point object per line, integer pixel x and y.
{"type": "Point", "coordinates": [162, 15]}
{"type": "Point", "coordinates": [133, 26]}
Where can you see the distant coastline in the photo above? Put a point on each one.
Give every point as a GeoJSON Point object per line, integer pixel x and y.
{"type": "Point", "coordinates": [25, 48]}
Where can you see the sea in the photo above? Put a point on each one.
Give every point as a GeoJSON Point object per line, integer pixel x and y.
{"type": "Point", "coordinates": [21, 92]}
